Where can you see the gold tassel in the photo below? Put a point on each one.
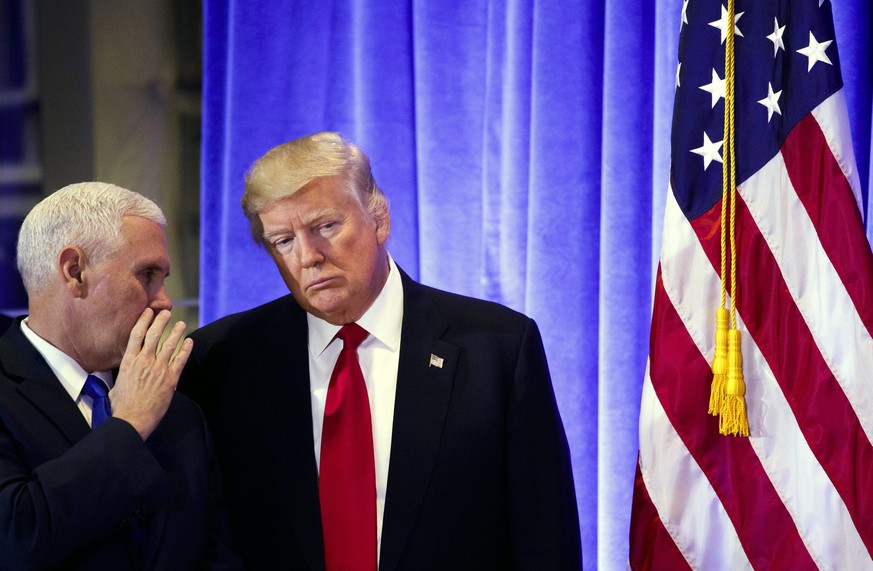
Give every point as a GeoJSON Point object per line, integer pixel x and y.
{"type": "Point", "coordinates": [719, 361]}
{"type": "Point", "coordinates": [734, 421]}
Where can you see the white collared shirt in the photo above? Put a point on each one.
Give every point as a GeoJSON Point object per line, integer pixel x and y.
{"type": "Point", "coordinates": [66, 369]}
{"type": "Point", "coordinates": [379, 356]}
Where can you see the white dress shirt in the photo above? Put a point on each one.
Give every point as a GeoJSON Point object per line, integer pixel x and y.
{"type": "Point", "coordinates": [379, 356]}
{"type": "Point", "coordinates": [66, 369]}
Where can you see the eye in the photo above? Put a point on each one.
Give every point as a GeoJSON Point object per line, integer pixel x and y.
{"type": "Point", "coordinates": [327, 227]}
{"type": "Point", "coordinates": [283, 243]}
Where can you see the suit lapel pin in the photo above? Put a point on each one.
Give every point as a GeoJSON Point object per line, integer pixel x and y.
{"type": "Point", "coordinates": [435, 361]}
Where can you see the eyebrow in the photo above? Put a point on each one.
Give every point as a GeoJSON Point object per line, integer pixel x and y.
{"type": "Point", "coordinates": [318, 214]}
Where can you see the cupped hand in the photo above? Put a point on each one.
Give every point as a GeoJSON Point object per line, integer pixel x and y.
{"type": "Point", "coordinates": [149, 371]}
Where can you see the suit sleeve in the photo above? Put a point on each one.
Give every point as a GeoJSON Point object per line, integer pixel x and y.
{"type": "Point", "coordinates": [88, 493]}
{"type": "Point", "coordinates": [544, 522]}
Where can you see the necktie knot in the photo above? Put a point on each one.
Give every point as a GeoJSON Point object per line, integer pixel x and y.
{"type": "Point", "coordinates": [95, 388]}
{"type": "Point", "coordinates": [101, 409]}
{"type": "Point", "coordinates": [352, 335]}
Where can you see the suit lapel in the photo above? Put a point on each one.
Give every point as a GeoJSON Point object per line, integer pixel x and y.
{"type": "Point", "coordinates": [36, 382]}
{"type": "Point", "coordinates": [425, 378]}
{"type": "Point", "coordinates": [283, 388]}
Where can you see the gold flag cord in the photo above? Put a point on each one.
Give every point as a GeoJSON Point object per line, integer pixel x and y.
{"type": "Point", "coordinates": [727, 394]}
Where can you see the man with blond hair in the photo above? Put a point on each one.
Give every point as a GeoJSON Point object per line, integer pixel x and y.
{"type": "Point", "coordinates": [367, 420]}
{"type": "Point", "coordinates": [102, 465]}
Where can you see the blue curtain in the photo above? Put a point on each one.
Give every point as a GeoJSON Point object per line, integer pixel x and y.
{"type": "Point", "coordinates": [524, 147]}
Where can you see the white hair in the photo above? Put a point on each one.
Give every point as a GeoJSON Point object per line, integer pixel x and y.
{"type": "Point", "coordinates": [88, 215]}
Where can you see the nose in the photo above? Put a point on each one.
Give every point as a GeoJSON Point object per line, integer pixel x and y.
{"type": "Point", "coordinates": [309, 252]}
{"type": "Point", "coordinates": [161, 300]}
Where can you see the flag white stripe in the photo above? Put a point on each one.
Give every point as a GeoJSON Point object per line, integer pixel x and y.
{"type": "Point", "coordinates": [689, 279]}
{"type": "Point", "coordinates": [832, 116]}
{"type": "Point", "coordinates": [814, 284]}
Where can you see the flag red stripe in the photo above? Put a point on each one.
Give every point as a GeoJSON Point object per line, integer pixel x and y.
{"type": "Point", "coordinates": [812, 167]}
{"type": "Point", "coordinates": [681, 378]}
{"type": "Point", "coordinates": [651, 547]}
{"type": "Point", "coordinates": [824, 414]}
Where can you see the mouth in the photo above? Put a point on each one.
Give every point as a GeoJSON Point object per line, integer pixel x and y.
{"type": "Point", "coordinates": [321, 283]}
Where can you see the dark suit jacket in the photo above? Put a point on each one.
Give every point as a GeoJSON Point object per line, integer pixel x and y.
{"type": "Point", "coordinates": [69, 496]}
{"type": "Point", "coordinates": [479, 474]}
{"type": "Point", "coordinates": [5, 322]}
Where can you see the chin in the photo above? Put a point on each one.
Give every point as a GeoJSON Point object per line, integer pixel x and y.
{"type": "Point", "coordinates": [332, 307]}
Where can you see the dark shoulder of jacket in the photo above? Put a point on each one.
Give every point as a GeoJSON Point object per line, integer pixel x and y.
{"type": "Point", "coordinates": [472, 313]}
{"type": "Point", "coordinates": [269, 316]}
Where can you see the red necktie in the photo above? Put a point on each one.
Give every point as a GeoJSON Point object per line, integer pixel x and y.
{"type": "Point", "coordinates": [347, 476]}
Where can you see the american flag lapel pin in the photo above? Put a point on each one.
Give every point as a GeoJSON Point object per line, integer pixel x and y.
{"type": "Point", "coordinates": [435, 361]}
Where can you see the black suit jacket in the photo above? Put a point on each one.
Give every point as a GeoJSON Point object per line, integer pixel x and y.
{"type": "Point", "coordinates": [5, 322]}
{"type": "Point", "coordinates": [479, 474]}
{"type": "Point", "coordinates": [69, 496]}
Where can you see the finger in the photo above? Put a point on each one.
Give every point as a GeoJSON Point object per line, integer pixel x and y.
{"type": "Point", "coordinates": [168, 347]}
{"type": "Point", "coordinates": [179, 360]}
{"type": "Point", "coordinates": [155, 331]}
{"type": "Point", "coordinates": [138, 333]}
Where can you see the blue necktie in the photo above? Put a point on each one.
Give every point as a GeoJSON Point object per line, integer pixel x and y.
{"type": "Point", "coordinates": [99, 393]}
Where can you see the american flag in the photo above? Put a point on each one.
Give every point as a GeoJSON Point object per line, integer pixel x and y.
{"type": "Point", "coordinates": [798, 493]}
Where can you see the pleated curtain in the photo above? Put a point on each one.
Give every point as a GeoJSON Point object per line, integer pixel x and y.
{"type": "Point", "coordinates": [524, 147]}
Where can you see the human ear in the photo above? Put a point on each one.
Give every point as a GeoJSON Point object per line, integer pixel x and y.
{"type": "Point", "coordinates": [71, 263]}
{"type": "Point", "coordinates": [383, 228]}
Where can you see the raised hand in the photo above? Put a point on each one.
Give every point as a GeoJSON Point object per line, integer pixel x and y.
{"type": "Point", "coordinates": [149, 371]}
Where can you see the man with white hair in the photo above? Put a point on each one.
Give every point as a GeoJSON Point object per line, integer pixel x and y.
{"type": "Point", "coordinates": [102, 465]}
